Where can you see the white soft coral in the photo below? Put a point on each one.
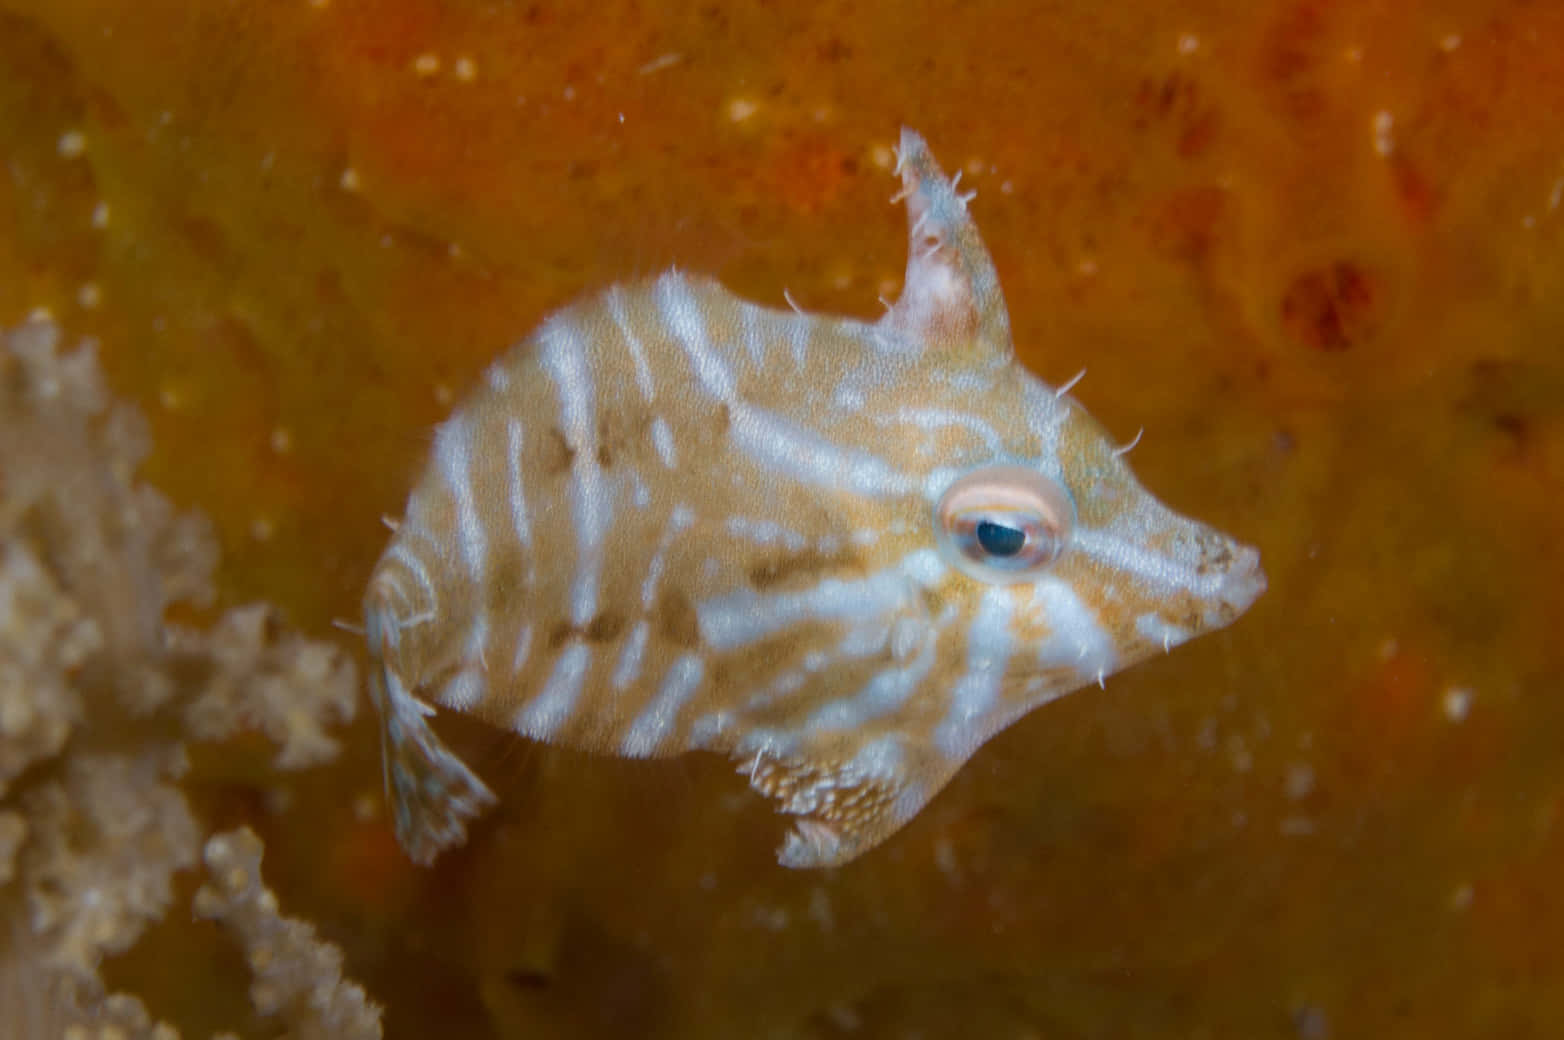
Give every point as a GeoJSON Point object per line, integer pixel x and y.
{"type": "Point", "coordinates": [98, 696]}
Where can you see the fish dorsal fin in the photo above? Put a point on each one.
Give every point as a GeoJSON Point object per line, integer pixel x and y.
{"type": "Point", "coordinates": [951, 301]}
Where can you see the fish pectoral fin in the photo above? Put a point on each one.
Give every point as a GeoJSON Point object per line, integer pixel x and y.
{"type": "Point", "coordinates": [843, 811]}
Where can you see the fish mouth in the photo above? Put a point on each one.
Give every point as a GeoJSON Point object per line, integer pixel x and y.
{"type": "Point", "coordinates": [1244, 581]}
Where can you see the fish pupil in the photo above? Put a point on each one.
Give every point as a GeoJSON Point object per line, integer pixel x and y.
{"type": "Point", "coordinates": [1000, 539]}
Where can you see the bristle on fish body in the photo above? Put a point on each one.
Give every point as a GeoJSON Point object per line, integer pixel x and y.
{"type": "Point", "coordinates": [843, 553]}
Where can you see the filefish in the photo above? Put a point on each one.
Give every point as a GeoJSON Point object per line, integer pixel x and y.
{"type": "Point", "coordinates": [843, 553]}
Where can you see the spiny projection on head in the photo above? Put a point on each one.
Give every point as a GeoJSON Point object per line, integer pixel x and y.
{"type": "Point", "coordinates": [843, 553]}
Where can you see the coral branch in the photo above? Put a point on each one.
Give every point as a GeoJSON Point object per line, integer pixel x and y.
{"type": "Point", "coordinates": [273, 680]}
{"type": "Point", "coordinates": [103, 850]}
{"type": "Point", "coordinates": [298, 976]}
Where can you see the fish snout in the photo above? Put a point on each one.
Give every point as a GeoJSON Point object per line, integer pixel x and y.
{"type": "Point", "coordinates": [1243, 581]}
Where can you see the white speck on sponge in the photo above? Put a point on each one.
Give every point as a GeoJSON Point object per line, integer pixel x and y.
{"type": "Point", "coordinates": [1457, 703]}
{"type": "Point", "coordinates": [72, 144]}
{"type": "Point", "coordinates": [740, 109]}
{"type": "Point", "coordinates": [1383, 144]}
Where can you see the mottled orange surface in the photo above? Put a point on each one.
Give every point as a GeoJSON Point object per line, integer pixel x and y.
{"type": "Point", "coordinates": [1316, 249]}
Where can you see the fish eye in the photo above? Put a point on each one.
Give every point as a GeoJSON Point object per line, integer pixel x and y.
{"type": "Point", "coordinates": [1003, 523]}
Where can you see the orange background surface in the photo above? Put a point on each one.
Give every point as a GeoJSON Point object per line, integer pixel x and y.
{"type": "Point", "coordinates": [1316, 249]}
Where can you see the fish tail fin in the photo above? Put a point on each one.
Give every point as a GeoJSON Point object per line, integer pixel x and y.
{"type": "Point", "coordinates": [432, 793]}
